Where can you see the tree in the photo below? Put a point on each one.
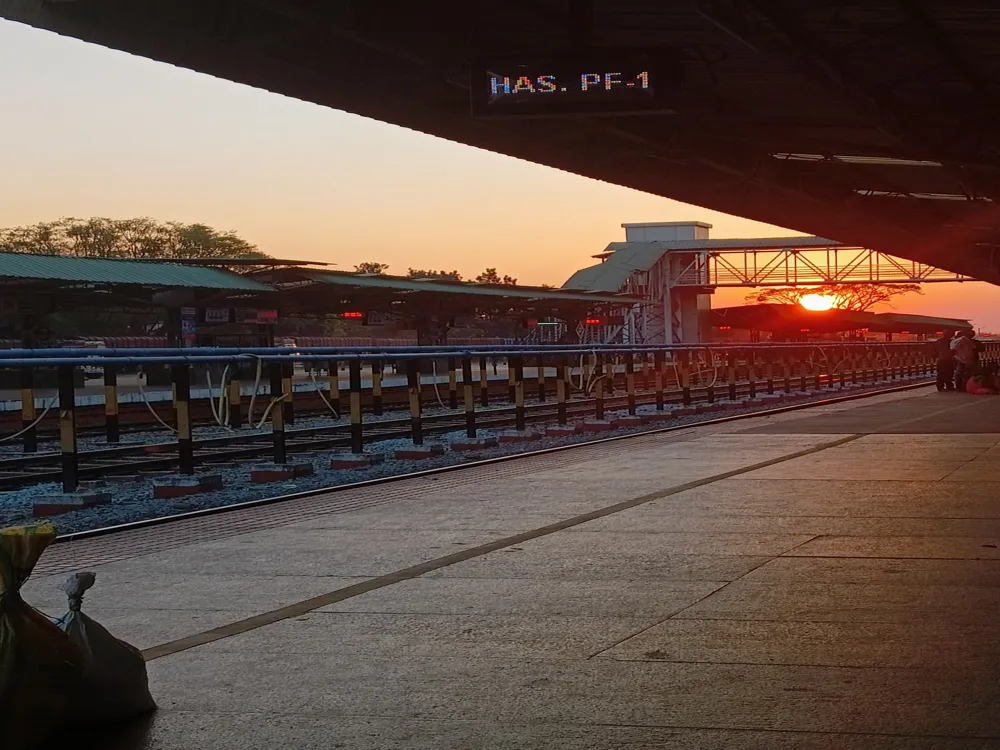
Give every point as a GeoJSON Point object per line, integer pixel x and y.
{"type": "Point", "coordinates": [416, 273]}
{"type": "Point", "coordinates": [373, 269]}
{"type": "Point", "coordinates": [490, 276]}
{"type": "Point", "coordinates": [126, 239]}
{"type": "Point", "coordinates": [855, 297]}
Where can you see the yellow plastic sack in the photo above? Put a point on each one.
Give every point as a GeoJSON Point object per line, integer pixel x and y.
{"type": "Point", "coordinates": [39, 665]}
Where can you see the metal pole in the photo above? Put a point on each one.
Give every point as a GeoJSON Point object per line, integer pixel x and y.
{"type": "Point", "coordinates": [511, 381]}
{"type": "Point", "coordinates": [333, 380]}
{"type": "Point", "coordinates": [182, 409]}
{"type": "Point", "coordinates": [561, 388]}
{"type": "Point", "coordinates": [413, 387]}
{"type": "Point", "coordinates": [111, 426]}
{"type": "Point", "coordinates": [659, 362]}
{"type": "Point", "coordinates": [67, 428]}
{"type": "Point", "coordinates": [357, 426]}
{"type": "Point", "coordinates": [377, 408]}
{"type": "Point", "coordinates": [288, 405]}
{"type": "Point", "coordinates": [278, 414]}
{"type": "Point", "coordinates": [452, 384]}
{"type": "Point", "coordinates": [519, 417]}
{"type": "Point", "coordinates": [599, 386]}
{"type": "Point", "coordinates": [28, 414]}
{"type": "Point", "coordinates": [484, 382]}
{"type": "Point", "coordinates": [630, 382]}
{"type": "Point", "coordinates": [470, 398]}
{"type": "Point", "coordinates": [235, 410]}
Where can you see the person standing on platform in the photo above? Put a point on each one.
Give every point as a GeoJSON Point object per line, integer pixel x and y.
{"type": "Point", "coordinates": [945, 362]}
{"type": "Point", "coordinates": [966, 351]}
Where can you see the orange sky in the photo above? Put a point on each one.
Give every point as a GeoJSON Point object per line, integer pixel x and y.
{"type": "Point", "coordinates": [101, 133]}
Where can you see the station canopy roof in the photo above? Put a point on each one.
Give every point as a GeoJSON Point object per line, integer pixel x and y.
{"type": "Point", "coordinates": [334, 291]}
{"type": "Point", "coordinates": [873, 122]}
{"type": "Point", "coordinates": [18, 268]}
{"type": "Point", "coordinates": [795, 318]}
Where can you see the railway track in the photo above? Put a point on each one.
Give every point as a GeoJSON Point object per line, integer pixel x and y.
{"type": "Point", "coordinates": [138, 459]}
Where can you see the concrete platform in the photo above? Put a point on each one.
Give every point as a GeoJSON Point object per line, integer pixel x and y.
{"type": "Point", "coordinates": [823, 579]}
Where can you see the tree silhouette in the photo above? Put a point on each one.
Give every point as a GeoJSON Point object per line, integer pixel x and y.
{"type": "Point", "coordinates": [490, 276]}
{"type": "Point", "coordinates": [371, 268]}
{"type": "Point", "coordinates": [125, 239]}
{"type": "Point", "coordinates": [854, 297]}
{"type": "Point", "coordinates": [417, 273]}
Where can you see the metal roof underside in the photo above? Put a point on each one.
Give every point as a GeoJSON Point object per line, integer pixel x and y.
{"type": "Point", "coordinates": [24, 266]}
{"type": "Point", "coordinates": [873, 122]}
{"type": "Point", "coordinates": [506, 292]}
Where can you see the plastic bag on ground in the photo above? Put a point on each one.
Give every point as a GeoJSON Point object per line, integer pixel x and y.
{"type": "Point", "coordinates": [114, 684]}
{"type": "Point", "coordinates": [39, 665]}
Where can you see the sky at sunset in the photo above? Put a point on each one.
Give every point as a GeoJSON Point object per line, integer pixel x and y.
{"type": "Point", "coordinates": [101, 133]}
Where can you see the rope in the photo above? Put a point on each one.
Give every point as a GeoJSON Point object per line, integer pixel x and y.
{"type": "Point", "coordinates": [319, 390]}
{"type": "Point", "coordinates": [32, 425]}
{"type": "Point", "coordinates": [145, 400]}
{"type": "Point", "coordinates": [434, 369]}
{"type": "Point", "coordinates": [256, 386]}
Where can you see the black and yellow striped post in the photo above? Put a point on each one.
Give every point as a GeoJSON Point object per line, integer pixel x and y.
{"type": "Point", "coordinates": [67, 428]}
{"type": "Point", "coordinates": [484, 382]}
{"type": "Point", "coordinates": [112, 430]}
{"type": "Point", "coordinates": [469, 397]}
{"type": "Point", "coordinates": [288, 405]}
{"type": "Point", "coordinates": [731, 374]}
{"type": "Point", "coordinates": [630, 382]}
{"type": "Point", "coordinates": [377, 369]}
{"type": "Point", "coordinates": [751, 359]}
{"type": "Point", "coordinates": [234, 398]}
{"type": "Point", "coordinates": [28, 413]}
{"type": "Point", "coordinates": [684, 371]}
{"type": "Point", "coordinates": [786, 371]}
{"type": "Point", "coordinates": [800, 364]}
{"type": "Point", "coordinates": [182, 409]}
{"type": "Point", "coordinates": [599, 386]}
{"type": "Point", "coordinates": [769, 373]}
{"type": "Point", "coordinates": [277, 413]}
{"type": "Point", "coordinates": [357, 421]}
{"type": "Point", "coordinates": [517, 367]}
{"type": "Point", "coordinates": [333, 383]}
{"type": "Point", "coordinates": [540, 364]}
{"type": "Point", "coordinates": [562, 387]}
{"type": "Point", "coordinates": [452, 384]}
{"type": "Point", "coordinates": [659, 365]}
{"type": "Point", "coordinates": [413, 389]}
{"type": "Point", "coordinates": [511, 381]}
{"type": "Point", "coordinates": [713, 372]}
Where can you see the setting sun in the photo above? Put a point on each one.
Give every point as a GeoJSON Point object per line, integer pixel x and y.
{"type": "Point", "coordinates": [817, 302]}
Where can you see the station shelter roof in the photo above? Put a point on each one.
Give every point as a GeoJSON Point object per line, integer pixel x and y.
{"type": "Point", "coordinates": [332, 291]}
{"type": "Point", "coordinates": [774, 317]}
{"type": "Point", "coordinates": [621, 259]}
{"type": "Point", "coordinates": [17, 268]}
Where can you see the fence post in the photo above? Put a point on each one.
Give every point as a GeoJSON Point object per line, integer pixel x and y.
{"type": "Point", "coordinates": [562, 377]}
{"type": "Point", "coordinates": [277, 413]}
{"type": "Point", "coordinates": [377, 407]}
{"type": "Point", "coordinates": [413, 388]}
{"type": "Point", "coordinates": [516, 366]}
{"type": "Point", "coordinates": [469, 397]}
{"type": "Point", "coordinates": [599, 386]}
{"type": "Point", "coordinates": [452, 384]}
{"type": "Point", "coordinates": [484, 382]}
{"type": "Point", "coordinates": [112, 430]}
{"type": "Point", "coordinates": [659, 363]}
{"type": "Point", "coordinates": [182, 410]}
{"type": "Point", "coordinates": [288, 405]}
{"type": "Point", "coordinates": [357, 426]}
{"type": "Point", "coordinates": [540, 364]}
{"type": "Point", "coordinates": [630, 382]}
{"type": "Point", "coordinates": [235, 408]}
{"type": "Point", "coordinates": [28, 413]}
{"type": "Point", "coordinates": [333, 380]}
{"type": "Point", "coordinates": [67, 428]}
{"type": "Point", "coordinates": [731, 374]}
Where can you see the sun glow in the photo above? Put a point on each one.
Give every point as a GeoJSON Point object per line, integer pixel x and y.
{"type": "Point", "coordinates": [817, 302]}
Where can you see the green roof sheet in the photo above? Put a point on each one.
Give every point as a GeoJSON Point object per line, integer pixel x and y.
{"type": "Point", "coordinates": [125, 272]}
{"type": "Point", "coordinates": [612, 274]}
{"type": "Point", "coordinates": [437, 286]}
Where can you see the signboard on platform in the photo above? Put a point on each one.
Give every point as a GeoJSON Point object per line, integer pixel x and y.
{"type": "Point", "coordinates": [216, 315]}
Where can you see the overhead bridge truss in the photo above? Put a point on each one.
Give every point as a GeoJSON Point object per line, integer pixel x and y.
{"type": "Point", "coordinates": [795, 267]}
